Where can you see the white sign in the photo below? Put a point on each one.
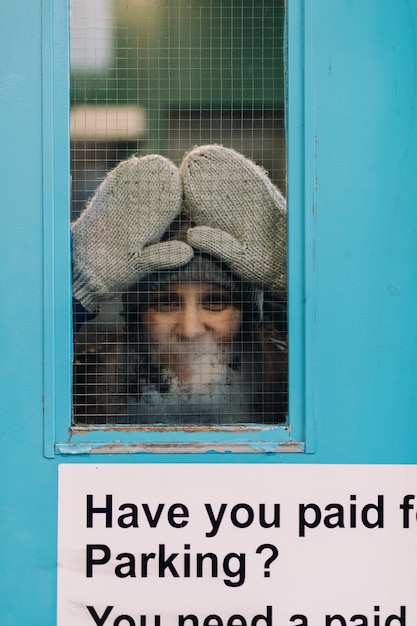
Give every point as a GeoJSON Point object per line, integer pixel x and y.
{"type": "Point", "coordinates": [237, 545]}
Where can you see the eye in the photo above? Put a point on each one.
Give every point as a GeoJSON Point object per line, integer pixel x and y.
{"type": "Point", "coordinates": [216, 302]}
{"type": "Point", "coordinates": [164, 302]}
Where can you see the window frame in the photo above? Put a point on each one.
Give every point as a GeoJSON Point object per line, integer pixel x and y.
{"type": "Point", "coordinates": [60, 436]}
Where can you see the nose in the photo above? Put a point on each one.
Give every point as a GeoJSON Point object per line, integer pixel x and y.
{"type": "Point", "coordinates": [190, 321]}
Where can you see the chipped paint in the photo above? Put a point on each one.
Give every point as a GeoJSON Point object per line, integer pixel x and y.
{"type": "Point", "coordinates": [119, 447]}
{"type": "Point", "coordinates": [243, 438]}
{"type": "Point", "coordinates": [162, 428]}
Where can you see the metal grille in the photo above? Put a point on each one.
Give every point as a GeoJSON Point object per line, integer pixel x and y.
{"type": "Point", "coordinates": [201, 340]}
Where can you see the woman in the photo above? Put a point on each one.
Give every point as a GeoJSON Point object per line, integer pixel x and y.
{"type": "Point", "coordinates": [194, 251]}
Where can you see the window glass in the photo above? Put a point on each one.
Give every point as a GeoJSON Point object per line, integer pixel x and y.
{"type": "Point", "coordinates": [178, 213]}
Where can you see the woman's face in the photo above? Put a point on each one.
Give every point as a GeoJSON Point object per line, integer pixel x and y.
{"type": "Point", "coordinates": [190, 326]}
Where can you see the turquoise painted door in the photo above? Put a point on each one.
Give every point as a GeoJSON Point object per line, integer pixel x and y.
{"type": "Point", "coordinates": [352, 143]}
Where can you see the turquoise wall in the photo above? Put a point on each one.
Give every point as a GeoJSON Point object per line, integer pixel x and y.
{"type": "Point", "coordinates": [352, 136]}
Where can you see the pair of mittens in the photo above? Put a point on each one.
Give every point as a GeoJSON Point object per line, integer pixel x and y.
{"type": "Point", "coordinates": [240, 218]}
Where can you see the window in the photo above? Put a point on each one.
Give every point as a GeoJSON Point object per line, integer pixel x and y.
{"type": "Point", "coordinates": [192, 84]}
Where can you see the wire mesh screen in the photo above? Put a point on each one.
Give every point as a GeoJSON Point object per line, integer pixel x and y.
{"type": "Point", "coordinates": [178, 212]}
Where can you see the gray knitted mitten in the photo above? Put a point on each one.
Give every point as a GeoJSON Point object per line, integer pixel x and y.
{"type": "Point", "coordinates": [131, 209]}
{"type": "Point", "coordinates": [240, 214]}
